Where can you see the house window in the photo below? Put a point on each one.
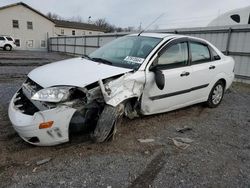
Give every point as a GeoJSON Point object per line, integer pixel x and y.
{"type": "Point", "coordinates": [29, 25]}
{"type": "Point", "coordinates": [30, 43]}
{"type": "Point", "coordinates": [83, 33]}
{"type": "Point", "coordinates": [73, 32]}
{"type": "Point", "coordinates": [62, 31]}
{"type": "Point", "coordinates": [15, 24]}
{"type": "Point", "coordinates": [90, 32]}
{"type": "Point", "coordinates": [17, 42]}
{"type": "Point", "coordinates": [43, 43]}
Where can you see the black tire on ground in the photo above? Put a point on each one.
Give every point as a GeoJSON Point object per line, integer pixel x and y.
{"type": "Point", "coordinates": [216, 94]}
{"type": "Point", "coordinates": [106, 123]}
{"type": "Point", "coordinates": [7, 47]}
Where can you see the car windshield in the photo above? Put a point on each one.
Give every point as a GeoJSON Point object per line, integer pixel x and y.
{"type": "Point", "coordinates": [127, 52]}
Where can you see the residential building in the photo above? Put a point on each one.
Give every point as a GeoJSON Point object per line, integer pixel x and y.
{"type": "Point", "coordinates": [68, 28]}
{"type": "Point", "coordinates": [31, 28]}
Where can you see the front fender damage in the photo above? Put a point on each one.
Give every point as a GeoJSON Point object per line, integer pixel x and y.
{"type": "Point", "coordinates": [129, 85]}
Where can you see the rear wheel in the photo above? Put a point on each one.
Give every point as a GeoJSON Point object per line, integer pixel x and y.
{"type": "Point", "coordinates": [106, 124]}
{"type": "Point", "coordinates": [7, 47]}
{"type": "Point", "coordinates": [216, 94]}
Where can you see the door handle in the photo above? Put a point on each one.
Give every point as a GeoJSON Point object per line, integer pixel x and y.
{"type": "Point", "coordinates": [212, 67]}
{"type": "Point", "coordinates": [184, 73]}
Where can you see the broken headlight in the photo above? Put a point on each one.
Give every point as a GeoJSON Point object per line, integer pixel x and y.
{"type": "Point", "coordinates": [53, 94]}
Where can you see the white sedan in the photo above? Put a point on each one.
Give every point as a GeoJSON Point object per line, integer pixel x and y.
{"type": "Point", "coordinates": [135, 75]}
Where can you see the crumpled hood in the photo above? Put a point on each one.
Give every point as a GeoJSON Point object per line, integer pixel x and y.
{"type": "Point", "coordinates": [73, 72]}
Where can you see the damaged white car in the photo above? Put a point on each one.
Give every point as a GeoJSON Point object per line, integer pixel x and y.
{"type": "Point", "coordinates": [135, 75]}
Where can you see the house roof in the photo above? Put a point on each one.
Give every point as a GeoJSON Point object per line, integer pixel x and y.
{"type": "Point", "coordinates": [27, 6]}
{"type": "Point", "coordinates": [77, 25]}
{"type": "Point", "coordinates": [59, 23]}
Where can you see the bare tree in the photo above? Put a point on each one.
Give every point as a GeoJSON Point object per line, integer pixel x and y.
{"type": "Point", "coordinates": [54, 16]}
{"type": "Point", "coordinates": [102, 23]}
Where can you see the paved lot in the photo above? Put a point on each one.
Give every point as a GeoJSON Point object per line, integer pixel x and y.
{"type": "Point", "coordinates": [17, 64]}
{"type": "Point", "coordinates": [218, 157]}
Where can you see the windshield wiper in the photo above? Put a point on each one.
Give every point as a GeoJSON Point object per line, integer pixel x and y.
{"type": "Point", "coordinates": [100, 60]}
{"type": "Point", "coordinates": [86, 57]}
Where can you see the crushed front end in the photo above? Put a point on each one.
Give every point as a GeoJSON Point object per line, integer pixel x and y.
{"type": "Point", "coordinates": [46, 123]}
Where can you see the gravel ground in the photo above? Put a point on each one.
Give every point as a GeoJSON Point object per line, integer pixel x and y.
{"type": "Point", "coordinates": [219, 156]}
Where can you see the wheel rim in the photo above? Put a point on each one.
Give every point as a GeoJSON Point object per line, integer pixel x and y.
{"type": "Point", "coordinates": [8, 48]}
{"type": "Point", "coordinates": [217, 94]}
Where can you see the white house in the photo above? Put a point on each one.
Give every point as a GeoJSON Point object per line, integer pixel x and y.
{"type": "Point", "coordinates": [31, 29]}
{"type": "Point", "coordinates": [67, 28]}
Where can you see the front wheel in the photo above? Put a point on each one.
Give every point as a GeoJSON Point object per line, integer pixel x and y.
{"type": "Point", "coordinates": [216, 95]}
{"type": "Point", "coordinates": [7, 47]}
{"type": "Point", "coordinates": [106, 124]}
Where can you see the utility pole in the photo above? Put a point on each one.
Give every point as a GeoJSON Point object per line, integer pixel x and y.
{"type": "Point", "coordinates": [140, 27]}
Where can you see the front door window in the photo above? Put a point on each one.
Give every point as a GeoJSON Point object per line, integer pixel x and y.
{"type": "Point", "coordinates": [175, 56]}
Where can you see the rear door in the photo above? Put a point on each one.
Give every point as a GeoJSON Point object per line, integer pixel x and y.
{"type": "Point", "coordinates": [203, 69]}
{"type": "Point", "coordinates": [173, 62]}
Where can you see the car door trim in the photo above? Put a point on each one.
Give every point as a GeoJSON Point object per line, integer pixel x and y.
{"type": "Point", "coordinates": [157, 97]}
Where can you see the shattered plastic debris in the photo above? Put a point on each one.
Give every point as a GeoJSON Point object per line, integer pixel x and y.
{"type": "Point", "coordinates": [182, 143]}
{"type": "Point", "coordinates": [184, 140]}
{"type": "Point", "coordinates": [183, 129]}
{"type": "Point", "coordinates": [43, 161]}
{"type": "Point", "coordinates": [146, 140]}
{"type": "Point", "coordinates": [34, 170]}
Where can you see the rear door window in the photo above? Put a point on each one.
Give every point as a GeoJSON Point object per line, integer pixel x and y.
{"type": "Point", "coordinates": [199, 53]}
{"type": "Point", "coordinates": [2, 38]}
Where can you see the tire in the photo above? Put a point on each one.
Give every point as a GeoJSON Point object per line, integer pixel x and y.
{"type": "Point", "coordinates": [106, 124]}
{"type": "Point", "coordinates": [8, 47]}
{"type": "Point", "coordinates": [216, 94]}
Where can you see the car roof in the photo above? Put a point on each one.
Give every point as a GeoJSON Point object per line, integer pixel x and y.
{"type": "Point", "coordinates": [158, 35]}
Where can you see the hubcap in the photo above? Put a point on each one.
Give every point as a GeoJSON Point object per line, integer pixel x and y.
{"type": "Point", "coordinates": [7, 48]}
{"type": "Point", "coordinates": [217, 94]}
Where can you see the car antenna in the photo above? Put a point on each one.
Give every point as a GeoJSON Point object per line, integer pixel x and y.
{"type": "Point", "coordinates": [150, 24]}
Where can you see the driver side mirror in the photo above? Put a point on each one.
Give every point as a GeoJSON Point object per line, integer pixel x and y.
{"type": "Point", "coordinates": [159, 76]}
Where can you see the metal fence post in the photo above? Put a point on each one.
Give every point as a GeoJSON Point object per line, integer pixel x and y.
{"type": "Point", "coordinates": [64, 44]}
{"type": "Point", "coordinates": [75, 46]}
{"type": "Point", "coordinates": [98, 41]}
{"type": "Point", "coordinates": [57, 45]}
{"type": "Point", "coordinates": [84, 45]}
{"type": "Point", "coordinates": [228, 40]}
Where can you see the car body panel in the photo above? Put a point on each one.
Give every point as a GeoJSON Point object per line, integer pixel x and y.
{"type": "Point", "coordinates": [155, 100]}
{"type": "Point", "coordinates": [27, 126]}
{"type": "Point", "coordinates": [78, 72]}
{"type": "Point", "coordinates": [130, 85]}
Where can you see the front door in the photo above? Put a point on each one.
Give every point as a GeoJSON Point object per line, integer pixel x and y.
{"type": "Point", "coordinates": [173, 61]}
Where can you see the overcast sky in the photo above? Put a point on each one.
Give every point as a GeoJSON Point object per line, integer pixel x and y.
{"type": "Point", "coordinates": [124, 13]}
